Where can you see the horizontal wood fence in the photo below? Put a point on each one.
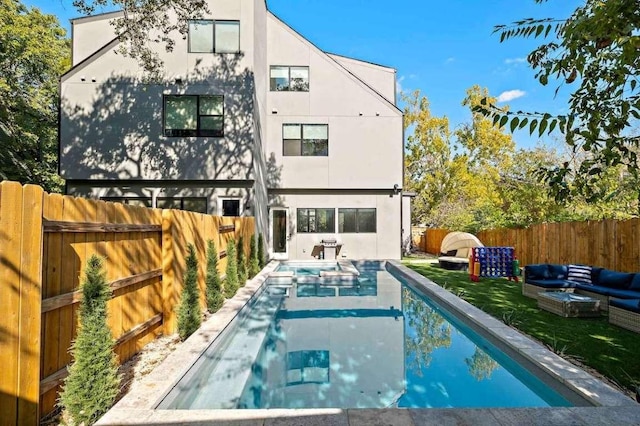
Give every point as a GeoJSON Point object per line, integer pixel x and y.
{"type": "Point", "coordinates": [45, 241]}
{"type": "Point", "coordinates": [611, 244]}
{"type": "Point", "coordinates": [428, 240]}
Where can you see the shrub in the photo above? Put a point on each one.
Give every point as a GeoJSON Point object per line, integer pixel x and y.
{"type": "Point", "coordinates": [231, 281]}
{"type": "Point", "coordinates": [254, 263]}
{"type": "Point", "coordinates": [189, 313]}
{"type": "Point", "coordinates": [95, 361]}
{"type": "Point", "coordinates": [261, 259]}
{"type": "Point", "coordinates": [242, 263]}
{"type": "Point", "coordinates": [213, 282]}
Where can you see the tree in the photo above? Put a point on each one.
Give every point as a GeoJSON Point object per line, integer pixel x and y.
{"type": "Point", "coordinates": [231, 281]}
{"type": "Point", "coordinates": [596, 49]}
{"type": "Point", "coordinates": [93, 382]}
{"type": "Point", "coordinates": [242, 264]}
{"type": "Point", "coordinates": [254, 263]}
{"type": "Point", "coordinates": [213, 282]}
{"type": "Point", "coordinates": [34, 52]}
{"type": "Point", "coordinates": [261, 259]}
{"type": "Point", "coordinates": [148, 22]}
{"type": "Point", "coordinates": [189, 313]}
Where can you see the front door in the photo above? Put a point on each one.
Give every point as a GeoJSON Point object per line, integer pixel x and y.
{"type": "Point", "coordinates": [279, 234]}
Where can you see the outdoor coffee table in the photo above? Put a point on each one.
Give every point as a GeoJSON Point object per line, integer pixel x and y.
{"type": "Point", "coordinates": [569, 304]}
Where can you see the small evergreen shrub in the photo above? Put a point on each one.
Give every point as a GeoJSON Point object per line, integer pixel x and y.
{"type": "Point", "coordinates": [213, 282]}
{"type": "Point", "coordinates": [254, 263]}
{"type": "Point", "coordinates": [93, 381]}
{"type": "Point", "coordinates": [261, 260]}
{"type": "Point", "coordinates": [242, 264]}
{"type": "Point", "coordinates": [231, 281]}
{"type": "Point", "coordinates": [189, 312]}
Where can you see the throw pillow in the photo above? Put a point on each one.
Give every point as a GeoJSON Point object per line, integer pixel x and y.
{"type": "Point", "coordinates": [614, 279]}
{"type": "Point", "coordinates": [580, 274]}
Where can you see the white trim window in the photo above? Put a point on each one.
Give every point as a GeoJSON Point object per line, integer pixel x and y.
{"type": "Point", "coordinates": [209, 36]}
{"type": "Point", "coordinates": [306, 140]}
{"type": "Point", "coordinates": [289, 78]}
{"type": "Point", "coordinates": [230, 206]}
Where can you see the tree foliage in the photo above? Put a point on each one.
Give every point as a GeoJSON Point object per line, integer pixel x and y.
{"type": "Point", "coordinates": [146, 23]}
{"type": "Point", "coordinates": [231, 281]}
{"type": "Point", "coordinates": [34, 52]}
{"type": "Point", "coordinates": [242, 263]}
{"type": "Point", "coordinates": [214, 296]}
{"type": "Point", "coordinates": [262, 261]}
{"type": "Point", "coordinates": [93, 382]}
{"type": "Point", "coordinates": [189, 312]}
{"type": "Point", "coordinates": [595, 51]}
{"type": "Point", "coordinates": [254, 263]}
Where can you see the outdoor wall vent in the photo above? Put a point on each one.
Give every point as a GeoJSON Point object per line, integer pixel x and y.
{"type": "Point", "coordinates": [360, 114]}
{"type": "Point", "coordinates": [82, 78]}
{"type": "Point", "coordinates": [93, 79]}
{"type": "Point", "coordinates": [377, 114]}
{"type": "Point", "coordinates": [274, 111]}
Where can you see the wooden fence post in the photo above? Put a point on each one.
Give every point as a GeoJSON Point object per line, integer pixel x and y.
{"type": "Point", "coordinates": [21, 295]}
{"type": "Point", "coordinates": [168, 273]}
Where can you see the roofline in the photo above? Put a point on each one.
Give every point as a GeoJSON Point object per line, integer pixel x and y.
{"type": "Point", "coordinates": [384, 98]}
{"type": "Point", "coordinates": [96, 16]}
{"type": "Point", "coordinates": [86, 61]}
{"type": "Point", "coordinates": [362, 60]}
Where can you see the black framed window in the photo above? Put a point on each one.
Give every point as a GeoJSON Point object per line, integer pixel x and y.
{"type": "Point", "coordinates": [209, 36]}
{"type": "Point", "coordinates": [356, 220]}
{"type": "Point", "coordinates": [192, 204]}
{"type": "Point", "coordinates": [316, 220]}
{"type": "Point", "coordinates": [193, 115]}
{"type": "Point", "coordinates": [307, 140]}
{"type": "Point", "coordinates": [289, 79]}
{"type": "Point", "coordinates": [131, 201]}
{"type": "Point", "coordinates": [230, 207]}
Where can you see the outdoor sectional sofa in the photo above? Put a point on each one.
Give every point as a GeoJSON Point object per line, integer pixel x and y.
{"type": "Point", "coordinates": [618, 292]}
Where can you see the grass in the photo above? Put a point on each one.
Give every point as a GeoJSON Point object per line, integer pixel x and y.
{"type": "Point", "coordinates": [611, 351]}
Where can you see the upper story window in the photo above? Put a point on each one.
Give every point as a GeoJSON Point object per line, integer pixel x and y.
{"type": "Point", "coordinates": [305, 140]}
{"type": "Point", "coordinates": [316, 220]}
{"type": "Point", "coordinates": [356, 220]}
{"type": "Point", "coordinates": [209, 36]}
{"type": "Point", "coordinates": [194, 115]}
{"type": "Point", "coordinates": [289, 79]}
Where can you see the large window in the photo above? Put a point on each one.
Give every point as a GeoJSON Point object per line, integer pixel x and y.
{"type": "Point", "coordinates": [208, 36]}
{"type": "Point", "coordinates": [191, 115]}
{"type": "Point", "coordinates": [356, 220]}
{"type": "Point", "coordinates": [316, 220]}
{"type": "Point", "coordinates": [192, 204]}
{"type": "Point", "coordinates": [305, 140]}
{"type": "Point", "coordinates": [132, 201]}
{"type": "Point", "coordinates": [289, 79]}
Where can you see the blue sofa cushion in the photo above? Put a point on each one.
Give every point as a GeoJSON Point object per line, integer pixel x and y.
{"type": "Point", "coordinates": [632, 305]}
{"type": "Point", "coordinates": [613, 279]}
{"type": "Point", "coordinates": [537, 272]}
{"type": "Point", "coordinates": [635, 282]}
{"type": "Point", "coordinates": [606, 291]}
{"type": "Point", "coordinates": [595, 273]}
{"type": "Point", "coordinates": [558, 272]}
{"type": "Point", "coordinates": [624, 294]}
{"type": "Point", "coordinates": [579, 274]}
{"type": "Point", "coordinates": [552, 283]}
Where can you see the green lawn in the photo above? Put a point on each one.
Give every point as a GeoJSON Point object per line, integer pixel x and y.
{"type": "Point", "coordinates": [612, 351]}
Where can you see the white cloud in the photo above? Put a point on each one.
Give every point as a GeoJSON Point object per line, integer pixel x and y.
{"type": "Point", "coordinates": [510, 95]}
{"type": "Point", "coordinates": [510, 61]}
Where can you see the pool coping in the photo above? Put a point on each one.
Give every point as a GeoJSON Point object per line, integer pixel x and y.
{"type": "Point", "coordinates": [138, 406]}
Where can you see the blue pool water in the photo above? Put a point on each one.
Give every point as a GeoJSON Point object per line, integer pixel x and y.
{"type": "Point", "coordinates": [371, 343]}
{"type": "Point", "coordinates": [307, 269]}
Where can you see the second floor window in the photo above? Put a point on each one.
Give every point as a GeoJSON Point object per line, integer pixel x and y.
{"type": "Point", "coordinates": [289, 79]}
{"type": "Point", "coordinates": [316, 220]}
{"type": "Point", "coordinates": [194, 115]}
{"type": "Point", "coordinates": [309, 140]}
{"type": "Point", "coordinates": [208, 36]}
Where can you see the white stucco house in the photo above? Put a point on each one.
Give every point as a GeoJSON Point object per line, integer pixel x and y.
{"type": "Point", "coordinates": [251, 118]}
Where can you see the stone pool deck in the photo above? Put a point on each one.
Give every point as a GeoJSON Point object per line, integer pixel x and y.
{"type": "Point", "coordinates": [612, 407]}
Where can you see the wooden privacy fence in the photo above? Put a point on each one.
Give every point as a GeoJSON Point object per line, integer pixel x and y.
{"type": "Point", "coordinates": [608, 243]}
{"type": "Point", "coordinates": [45, 241]}
{"type": "Point", "coordinates": [428, 239]}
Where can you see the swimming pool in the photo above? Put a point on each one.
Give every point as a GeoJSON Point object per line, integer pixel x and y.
{"type": "Point", "coordinates": [368, 343]}
{"type": "Point", "coordinates": [307, 269]}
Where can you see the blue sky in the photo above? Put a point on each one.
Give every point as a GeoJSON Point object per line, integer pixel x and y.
{"type": "Point", "coordinates": [439, 47]}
